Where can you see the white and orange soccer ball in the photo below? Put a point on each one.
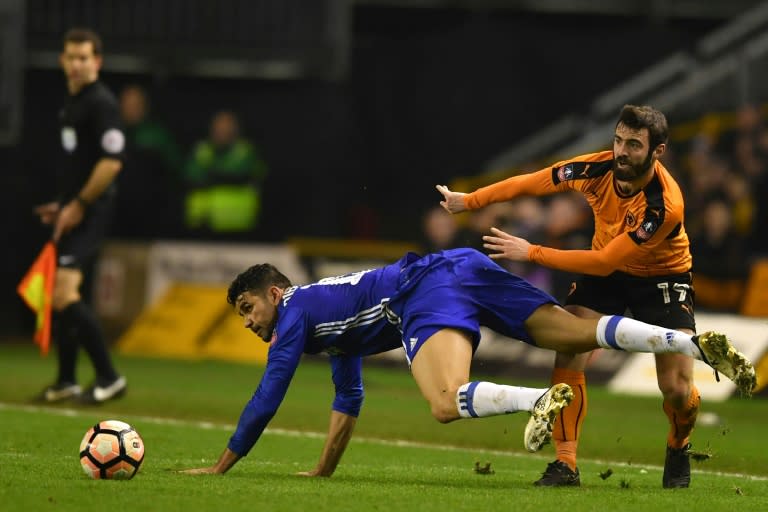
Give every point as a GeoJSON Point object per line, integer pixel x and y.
{"type": "Point", "coordinates": [111, 449]}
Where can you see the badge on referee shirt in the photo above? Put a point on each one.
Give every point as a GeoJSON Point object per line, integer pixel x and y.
{"type": "Point", "coordinates": [68, 138]}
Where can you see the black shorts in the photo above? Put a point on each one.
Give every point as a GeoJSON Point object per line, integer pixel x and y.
{"type": "Point", "coordinates": [666, 301]}
{"type": "Point", "coordinates": [77, 248]}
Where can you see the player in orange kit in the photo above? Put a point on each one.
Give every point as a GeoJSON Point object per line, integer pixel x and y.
{"type": "Point", "coordinates": [640, 260]}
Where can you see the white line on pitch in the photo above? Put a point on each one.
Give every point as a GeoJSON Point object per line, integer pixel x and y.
{"type": "Point", "coordinates": [209, 425]}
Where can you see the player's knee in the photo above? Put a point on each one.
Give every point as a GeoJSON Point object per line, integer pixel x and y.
{"type": "Point", "coordinates": [444, 410]}
{"type": "Point", "coordinates": [675, 390]}
{"type": "Point", "coordinates": [442, 415]}
{"type": "Point", "coordinates": [674, 394]}
{"type": "Point", "coordinates": [60, 300]}
{"type": "Point", "coordinates": [66, 289]}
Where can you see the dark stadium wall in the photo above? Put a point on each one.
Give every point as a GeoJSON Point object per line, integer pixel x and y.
{"type": "Point", "coordinates": [429, 95]}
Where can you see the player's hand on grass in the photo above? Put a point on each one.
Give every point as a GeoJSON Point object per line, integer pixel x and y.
{"type": "Point", "coordinates": [506, 246]}
{"type": "Point", "coordinates": [227, 459]}
{"type": "Point", "coordinates": [314, 472]}
{"type": "Point", "coordinates": [210, 470]}
{"type": "Point", "coordinates": [454, 201]}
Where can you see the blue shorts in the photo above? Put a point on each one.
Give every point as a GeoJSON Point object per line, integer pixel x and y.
{"type": "Point", "coordinates": [462, 289]}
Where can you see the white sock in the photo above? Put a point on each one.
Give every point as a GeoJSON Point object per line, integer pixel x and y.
{"type": "Point", "coordinates": [480, 399]}
{"type": "Point", "coordinates": [622, 333]}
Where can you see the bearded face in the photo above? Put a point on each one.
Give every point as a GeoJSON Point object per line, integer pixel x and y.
{"type": "Point", "coordinates": [628, 170]}
{"type": "Point", "coordinates": [632, 154]}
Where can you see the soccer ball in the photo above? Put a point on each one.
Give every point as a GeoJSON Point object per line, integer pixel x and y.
{"type": "Point", "coordinates": [111, 449]}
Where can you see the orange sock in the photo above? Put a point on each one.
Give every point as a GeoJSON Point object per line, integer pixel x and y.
{"type": "Point", "coordinates": [682, 421]}
{"type": "Point", "coordinates": [568, 424]}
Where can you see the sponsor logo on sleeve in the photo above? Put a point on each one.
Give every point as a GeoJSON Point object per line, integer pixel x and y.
{"type": "Point", "coordinates": [113, 141]}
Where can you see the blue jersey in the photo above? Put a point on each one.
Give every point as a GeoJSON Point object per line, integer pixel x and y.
{"type": "Point", "coordinates": [373, 311]}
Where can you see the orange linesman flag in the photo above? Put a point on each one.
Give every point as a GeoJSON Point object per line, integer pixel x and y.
{"type": "Point", "coordinates": [36, 288]}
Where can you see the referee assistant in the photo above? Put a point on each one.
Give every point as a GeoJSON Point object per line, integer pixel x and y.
{"type": "Point", "coordinates": [93, 142]}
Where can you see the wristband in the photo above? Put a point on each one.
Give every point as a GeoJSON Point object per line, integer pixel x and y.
{"type": "Point", "coordinates": [82, 202]}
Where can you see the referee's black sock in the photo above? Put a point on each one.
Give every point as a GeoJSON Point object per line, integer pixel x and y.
{"type": "Point", "coordinates": [90, 336]}
{"type": "Point", "coordinates": [65, 337]}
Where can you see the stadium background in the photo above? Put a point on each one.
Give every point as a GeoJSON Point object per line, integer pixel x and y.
{"type": "Point", "coordinates": [360, 108]}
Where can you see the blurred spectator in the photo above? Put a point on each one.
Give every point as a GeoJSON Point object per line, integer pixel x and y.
{"type": "Point", "coordinates": [144, 132]}
{"type": "Point", "coordinates": [527, 218]}
{"type": "Point", "coordinates": [731, 166]}
{"type": "Point", "coordinates": [439, 230]}
{"type": "Point", "coordinates": [741, 202]}
{"type": "Point", "coordinates": [569, 226]}
{"type": "Point", "coordinates": [224, 175]}
{"type": "Point", "coordinates": [759, 234]}
{"type": "Point", "coordinates": [745, 134]}
{"type": "Point", "coordinates": [745, 144]}
{"type": "Point", "coordinates": [707, 175]}
{"type": "Point", "coordinates": [569, 223]}
{"type": "Point", "coordinates": [721, 260]}
{"type": "Point", "coordinates": [479, 223]}
{"type": "Point", "coordinates": [747, 159]}
{"type": "Point", "coordinates": [152, 156]}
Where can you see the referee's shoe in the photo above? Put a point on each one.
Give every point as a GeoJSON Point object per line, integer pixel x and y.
{"type": "Point", "coordinates": [58, 392]}
{"type": "Point", "coordinates": [101, 392]}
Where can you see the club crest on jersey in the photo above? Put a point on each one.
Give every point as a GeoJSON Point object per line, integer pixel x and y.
{"type": "Point", "coordinates": [68, 139]}
{"type": "Point", "coordinates": [646, 230]}
{"type": "Point", "coordinates": [565, 173]}
{"type": "Point", "coordinates": [630, 219]}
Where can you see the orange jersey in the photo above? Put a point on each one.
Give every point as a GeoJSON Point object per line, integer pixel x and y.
{"type": "Point", "coordinates": [641, 235]}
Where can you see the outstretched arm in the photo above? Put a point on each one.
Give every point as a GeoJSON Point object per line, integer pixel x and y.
{"type": "Point", "coordinates": [453, 202]}
{"type": "Point", "coordinates": [619, 251]}
{"type": "Point", "coordinates": [536, 183]}
{"type": "Point", "coordinates": [339, 433]}
{"type": "Point", "coordinates": [283, 358]}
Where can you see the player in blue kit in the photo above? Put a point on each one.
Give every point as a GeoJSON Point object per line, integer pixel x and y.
{"type": "Point", "coordinates": [433, 306]}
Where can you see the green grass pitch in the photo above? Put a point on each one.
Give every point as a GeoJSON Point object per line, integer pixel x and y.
{"type": "Point", "coordinates": [399, 459]}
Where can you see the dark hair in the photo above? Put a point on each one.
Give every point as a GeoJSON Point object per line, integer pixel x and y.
{"type": "Point", "coordinates": [638, 117]}
{"type": "Point", "coordinates": [84, 35]}
{"type": "Point", "coordinates": [256, 279]}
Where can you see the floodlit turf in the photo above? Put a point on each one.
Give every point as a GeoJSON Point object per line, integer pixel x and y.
{"type": "Point", "coordinates": [39, 467]}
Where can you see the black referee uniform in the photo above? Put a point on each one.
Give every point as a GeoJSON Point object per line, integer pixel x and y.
{"type": "Point", "coordinates": [90, 130]}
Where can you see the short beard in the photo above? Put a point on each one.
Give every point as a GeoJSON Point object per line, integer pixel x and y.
{"type": "Point", "coordinates": [635, 171]}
